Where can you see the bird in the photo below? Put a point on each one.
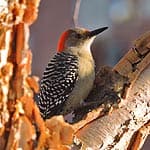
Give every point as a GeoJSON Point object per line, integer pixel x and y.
{"type": "Point", "coordinates": [69, 75]}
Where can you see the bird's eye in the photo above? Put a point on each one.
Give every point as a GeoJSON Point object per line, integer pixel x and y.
{"type": "Point", "coordinates": [78, 36]}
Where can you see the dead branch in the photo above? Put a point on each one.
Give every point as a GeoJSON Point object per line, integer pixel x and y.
{"type": "Point", "coordinates": [76, 12]}
{"type": "Point", "coordinates": [115, 130]}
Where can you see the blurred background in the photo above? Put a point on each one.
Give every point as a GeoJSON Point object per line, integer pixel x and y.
{"type": "Point", "coordinates": [126, 19]}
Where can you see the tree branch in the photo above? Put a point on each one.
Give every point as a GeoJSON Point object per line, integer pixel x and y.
{"type": "Point", "coordinates": [76, 12]}
{"type": "Point", "coordinates": [116, 129]}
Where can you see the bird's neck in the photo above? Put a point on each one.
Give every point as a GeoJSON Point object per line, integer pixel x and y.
{"type": "Point", "coordinates": [81, 51]}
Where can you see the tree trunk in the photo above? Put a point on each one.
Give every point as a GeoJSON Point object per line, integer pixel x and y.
{"type": "Point", "coordinates": [16, 84]}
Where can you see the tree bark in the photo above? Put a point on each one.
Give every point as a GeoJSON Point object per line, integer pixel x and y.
{"type": "Point", "coordinates": [119, 128]}
{"type": "Point", "coordinates": [16, 85]}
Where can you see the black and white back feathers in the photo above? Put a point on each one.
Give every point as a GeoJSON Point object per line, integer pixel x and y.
{"type": "Point", "coordinates": [57, 83]}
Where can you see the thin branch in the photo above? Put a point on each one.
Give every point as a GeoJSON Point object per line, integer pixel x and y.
{"type": "Point", "coordinates": [76, 13]}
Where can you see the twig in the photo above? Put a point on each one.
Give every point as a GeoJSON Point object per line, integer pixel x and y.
{"type": "Point", "coordinates": [76, 12]}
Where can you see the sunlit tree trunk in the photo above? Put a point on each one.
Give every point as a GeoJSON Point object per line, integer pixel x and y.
{"type": "Point", "coordinates": [16, 85]}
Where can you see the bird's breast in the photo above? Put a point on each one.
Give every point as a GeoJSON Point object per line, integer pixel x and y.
{"type": "Point", "coordinates": [84, 83]}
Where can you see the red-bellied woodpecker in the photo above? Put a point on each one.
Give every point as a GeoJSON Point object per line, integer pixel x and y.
{"type": "Point", "coordinates": [69, 76]}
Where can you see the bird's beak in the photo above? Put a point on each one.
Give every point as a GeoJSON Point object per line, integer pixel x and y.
{"type": "Point", "coordinates": [97, 31]}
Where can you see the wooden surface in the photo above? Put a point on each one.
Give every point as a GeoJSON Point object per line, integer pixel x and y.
{"type": "Point", "coordinates": [116, 129]}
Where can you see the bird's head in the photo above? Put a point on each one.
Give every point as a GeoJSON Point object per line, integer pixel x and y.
{"type": "Point", "coordinates": [77, 37]}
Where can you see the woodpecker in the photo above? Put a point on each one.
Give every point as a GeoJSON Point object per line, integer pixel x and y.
{"type": "Point", "coordinates": [69, 76]}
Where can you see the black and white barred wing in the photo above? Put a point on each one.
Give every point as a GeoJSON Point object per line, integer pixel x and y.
{"type": "Point", "coordinates": [58, 81]}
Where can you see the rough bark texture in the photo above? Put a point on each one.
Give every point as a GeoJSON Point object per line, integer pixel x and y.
{"type": "Point", "coordinates": [118, 129]}
{"type": "Point", "coordinates": [18, 112]}
{"type": "Point", "coordinates": [121, 122]}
